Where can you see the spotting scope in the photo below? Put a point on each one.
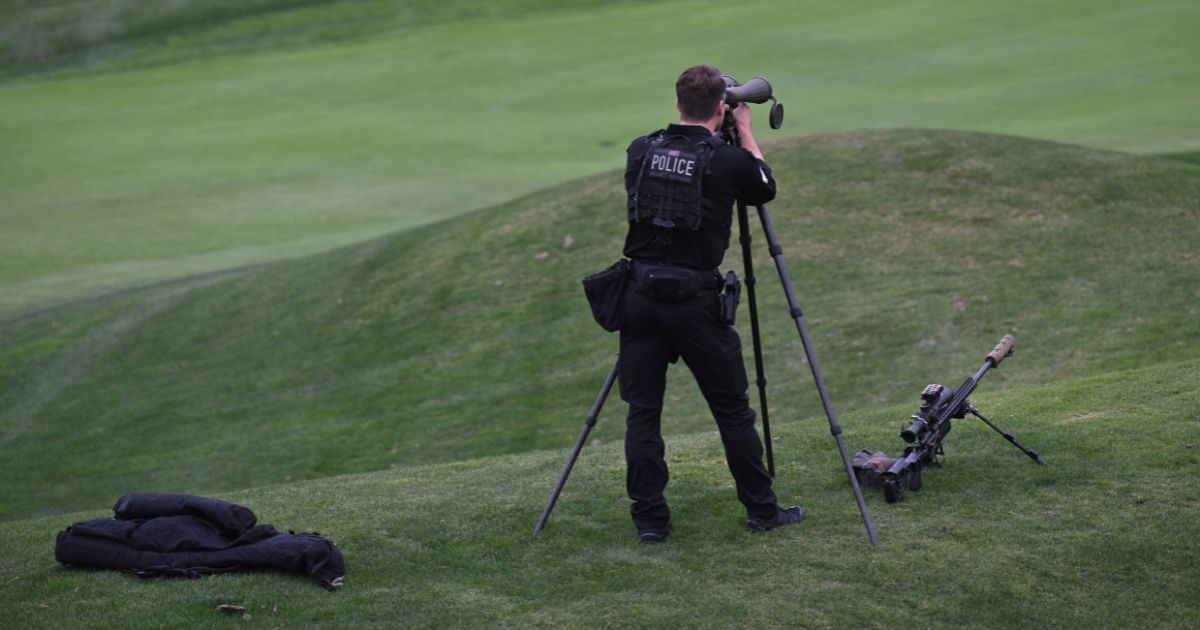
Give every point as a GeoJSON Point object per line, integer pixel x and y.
{"type": "Point", "coordinates": [756, 90]}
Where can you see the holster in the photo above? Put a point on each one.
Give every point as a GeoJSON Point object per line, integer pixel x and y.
{"type": "Point", "coordinates": [730, 298]}
{"type": "Point", "coordinates": [605, 291]}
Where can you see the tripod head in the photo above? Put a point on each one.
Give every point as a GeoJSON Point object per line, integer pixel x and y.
{"type": "Point", "coordinates": [756, 90]}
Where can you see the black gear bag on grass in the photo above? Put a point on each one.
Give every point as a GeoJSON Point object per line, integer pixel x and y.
{"type": "Point", "coordinates": [184, 535]}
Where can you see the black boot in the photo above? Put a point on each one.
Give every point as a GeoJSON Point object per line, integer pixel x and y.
{"type": "Point", "coordinates": [790, 516]}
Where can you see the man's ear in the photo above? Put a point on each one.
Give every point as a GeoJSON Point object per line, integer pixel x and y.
{"type": "Point", "coordinates": [677, 107]}
{"type": "Point", "coordinates": [719, 112]}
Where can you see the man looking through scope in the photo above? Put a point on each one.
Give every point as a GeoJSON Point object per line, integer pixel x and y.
{"type": "Point", "coordinates": [682, 182]}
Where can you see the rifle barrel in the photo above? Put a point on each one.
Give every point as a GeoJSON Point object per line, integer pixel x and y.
{"type": "Point", "coordinates": [961, 394]}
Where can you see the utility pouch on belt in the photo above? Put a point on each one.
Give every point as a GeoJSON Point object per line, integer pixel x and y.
{"type": "Point", "coordinates": [730, 298]}
{"type": "Point", "coordinates": [605, 291]}
{"type": "Point", "coordinates": [665, 283]}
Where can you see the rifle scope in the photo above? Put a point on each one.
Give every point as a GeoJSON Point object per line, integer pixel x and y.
{"type": "Point", "coordinates": [933, 398]}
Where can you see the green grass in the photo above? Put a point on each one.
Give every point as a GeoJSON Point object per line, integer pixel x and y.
{"type": "Point", "coordinates": [1102, 537]}
{"type": "Point", "coordinates": [1191, 157]}
{"type": "Point", "coordinates": [114, 179]}
{"type": "Point", "coordinates": [413, 396]}
{"type": "Point", "coordinates": [911, 251]}
{"type": "Point", "coordinates": [61, 37]}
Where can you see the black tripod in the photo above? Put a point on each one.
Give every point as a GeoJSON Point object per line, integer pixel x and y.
{"type": "Point", "coordinates": [588, 423]}
{"type": "Point", "coordinates": [729, 132]}
{"type": "Point", "coordinates": [776, 251]}
{"type": "Point", "coordinates": [835, 429]}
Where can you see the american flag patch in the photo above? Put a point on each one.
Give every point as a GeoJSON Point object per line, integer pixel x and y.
{"type": "Point", "coordinates": [673, 153]}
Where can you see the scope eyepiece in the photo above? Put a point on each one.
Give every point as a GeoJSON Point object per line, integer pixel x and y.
{"type": "Point", "coordinates": [910, 434]}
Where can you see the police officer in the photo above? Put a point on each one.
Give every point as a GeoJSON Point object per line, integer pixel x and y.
{"type": "Point", "coordinates": [682, 183]}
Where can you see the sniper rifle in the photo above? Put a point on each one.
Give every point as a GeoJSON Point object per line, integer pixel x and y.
{"type": "Point", "coordinates": [931, 424]}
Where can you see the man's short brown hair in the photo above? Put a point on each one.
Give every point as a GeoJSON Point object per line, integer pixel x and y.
{"type": "Point", "coordinates": [699, 90]}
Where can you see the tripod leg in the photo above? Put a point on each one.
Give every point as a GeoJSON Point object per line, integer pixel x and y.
{"type": "Point", "coordinates": [834, 428]}
{"type": "Point", "coordinates": [749, 281]}
{"type": "Point", "coordinates": [588, 423]}
{"type": "Point", "coordinates": [1008, 436]}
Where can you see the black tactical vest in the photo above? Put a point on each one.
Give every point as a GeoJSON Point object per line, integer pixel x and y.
{"type": "Point", "coordinates": [670, 185]}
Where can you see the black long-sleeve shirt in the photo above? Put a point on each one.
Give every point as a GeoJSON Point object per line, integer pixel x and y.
{"type": "Point", "coordinates": [735, 174]}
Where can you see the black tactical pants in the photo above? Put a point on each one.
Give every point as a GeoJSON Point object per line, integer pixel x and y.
{"type": "Point", "coordinates": [655, 334]}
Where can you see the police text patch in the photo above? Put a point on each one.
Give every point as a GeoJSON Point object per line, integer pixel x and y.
{"type": "Point", "coordinates": [676, 164]}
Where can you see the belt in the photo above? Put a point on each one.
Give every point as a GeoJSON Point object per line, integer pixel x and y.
{"type": "Point", "coordinates": [656, 263]}
{"type": "Point", "coordinates": [704, 278]}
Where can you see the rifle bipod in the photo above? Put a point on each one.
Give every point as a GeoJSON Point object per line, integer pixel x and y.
{"type": "Point", "coordinates": [1008, 436]}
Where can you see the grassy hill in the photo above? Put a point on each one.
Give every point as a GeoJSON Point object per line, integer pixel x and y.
{"type": "Point", "coordinates": [202, 135]}
{"type": "Point", "coordinates": [912, 251]}
{"type": "Point", "coordinates": [1102, 537]}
